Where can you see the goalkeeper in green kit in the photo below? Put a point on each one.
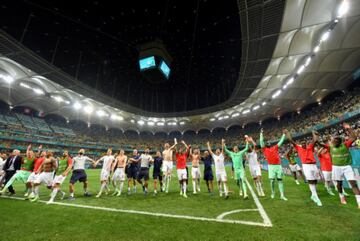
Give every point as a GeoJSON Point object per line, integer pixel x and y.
{"type": "Point", "coordinates": [237, 159]}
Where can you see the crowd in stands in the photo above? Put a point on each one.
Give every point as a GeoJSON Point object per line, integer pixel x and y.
{"type": "Point", "coordinates": [18, 129]}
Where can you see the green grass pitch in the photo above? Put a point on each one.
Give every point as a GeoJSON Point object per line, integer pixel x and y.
{"type": "Point", "coordinates": [134, 217]}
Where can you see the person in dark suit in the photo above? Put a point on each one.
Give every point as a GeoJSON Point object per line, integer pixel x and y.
{"type": "Point", "coordinates": [12, 164]}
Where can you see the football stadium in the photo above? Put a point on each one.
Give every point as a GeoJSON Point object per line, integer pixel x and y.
{"type": "Point", "coordinates": [180, 120]}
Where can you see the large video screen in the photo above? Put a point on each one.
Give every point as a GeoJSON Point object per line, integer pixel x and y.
{"type": "Point", "coordinates": [147, 63]}
{"type": "Point", "coordinates": [165, 69]}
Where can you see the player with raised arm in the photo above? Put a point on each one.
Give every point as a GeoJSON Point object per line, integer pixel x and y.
{"type": "Point", "coordinates": [254, 166]}
{"type": "Point", "coordinates": [195, 169]}
{"type": "Point", "coordinates": [341, 161]}
{"type": "Point", "coordinates": [145, 160]}
{"type": "Point", "coordinates": [275, 171]}
{"type": "Point", "coordinates": [208, 173]}
{"type": "Point", "coordinates": [167, 164]}
{"type": "Point", "coordinates": [237, 159]}
{"type": "Point", "coordinates": [181, 157]}
{"type": "Point", "coordinates": [25, 171]}
{"type": "Point", "coordinates": [220, 171]}
{"type": "Point", "coordinates": [294, 167]}
{"type": "Point", "coordinates": [157, 175]}
{"type": "Point", "coordinates": [326, 168]}
{"type": "Point", "coordinates": [64, 166]}
{"type": "Point", "coordinates": [306, 154]}
{"type": "Point", "coordinates": [133, 170]}
{"type": "Point", "coordinates": [119, 174]}
{"type": "Point", "coordinates": [107, 160]}
{"type": "Point", "coordinates": [79, 173]}
{"type": "Point", "coordinates": [46, 174]}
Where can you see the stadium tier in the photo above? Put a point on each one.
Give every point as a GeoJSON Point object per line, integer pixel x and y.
{"type": "Point", "coordinates": [180, 120]}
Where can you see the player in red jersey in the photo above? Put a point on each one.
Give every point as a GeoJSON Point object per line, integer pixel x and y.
{"type": "Point", "coordinates": [326, 168]}
{"type": "Point", "coordinates": [306, 154]}
{"type": "Point", "coordinates": [40, 157]}
{"type": "Point", "coordinates": [181, 157]}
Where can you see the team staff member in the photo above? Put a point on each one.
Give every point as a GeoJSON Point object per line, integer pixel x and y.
{"type": "Point", "coordinates": [11, 166]}
{"type": "Point", "coordinates": [79, 173]}
{"type": "Point", "coordinates": [157, 175]}
{"type": "Point", "coordinates": [145, 160]}
{"type": "Point", "coordinates": [208, 173]}
{"type": "Point", "coordinates": [133, 170]}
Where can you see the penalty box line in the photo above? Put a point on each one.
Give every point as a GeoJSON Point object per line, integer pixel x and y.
{"type": "Point", "coordinates": [231, 221]}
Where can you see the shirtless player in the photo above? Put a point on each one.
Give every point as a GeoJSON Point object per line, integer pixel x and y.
{"type": "Point", "coordinates": [195, 169]}
{"type": "Point", "coordinates": [119, 174]}
{"type": "Point", "coordinates": [46, 175]}
{"type": "Point", "coordinates": [167, 164]}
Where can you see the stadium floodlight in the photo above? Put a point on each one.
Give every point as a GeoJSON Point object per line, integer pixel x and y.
{"type": "Point", "coordinates": [116, 117]}
{"type": "Point", "coordinates": [151, 123]}
{"type": "Point", "coordinates": [212, 119]}
{"type": "Point", "coordinates": [317, 48]}
{"type": "Point", "coordinates": [276, 94]}
{"type": "Point", "coordinates": [226, 117]}
{"type": "Point", "coordinates": [172, 123]}
{"type": "Point", "coordinates": [256, 107]}
{"type": "Point", "coordinates": [290, 81]}
{"type": "Point", "coordinates": [343, 9]}
{"type": "Point", "coordinates": [182, 123]}
{"type": "Point", "coordinates": [141, 122]}
{"type": "Point", "coordinates": [220, 118]}
{"type": "Point", "coordinates": [160, 124]}
{"type": "Point", "coordinates": [38, 91]}
{"type": "Point", "coordinates": [307, 61]}
{"type": "Point", "coordinates": [235, 115]}
{"type": "Point", "coordinates": [301, 69]}
{"type": "Point", "coordinates": [67, 102]}
{"type": "Point", "coordinates": [264, 103]}
{"type": "Point", "coordinates": [325, 36]}
{"type": "Point", "coordinates": [25, 85]}
{"type": "Point", "coordinates": [101, 113]}
{"type": "Point", "coordinates": [77, 105]}
{"type": "Point", "coordinates": [88, 109]}
{"type": "Point", "coordinates": [9, 79]}
{"type": "Point", "coordinates": [57, 98]}
{"type": "Point", "coordinates": [246, 111]}
{"type": "Point", "coordinates": [132, 121]}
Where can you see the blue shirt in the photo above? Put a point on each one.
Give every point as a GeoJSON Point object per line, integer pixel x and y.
{"type": "Point", "coordinates": [207, 163]}
{"type": "Point", "coordinates": [157, 163]}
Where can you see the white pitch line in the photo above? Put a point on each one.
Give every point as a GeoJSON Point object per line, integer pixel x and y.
{"type": "Point", "coordinates": [153, 213]}
{"type": "Point", "coordinates": [267, 221]}
{"type": "Point", "coordinates": [221, 216]}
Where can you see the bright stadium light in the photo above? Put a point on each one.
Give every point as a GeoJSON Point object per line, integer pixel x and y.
{"type": "Point", "coordinates": [212, 119]}
{"type": "Point", "coordinates": [226, 117]}
{"type": "Point", "coordinates": [307, 62]}
{"type": "Point", "coordinates": [317, 48]}
{"type": "Point", "coordinates": [325, 36]}
{"type": "Point", "coordinates": [301, 69]}
{"type": "Point", "coordinates": [38, 91]}
{"type": "Point", "coordinates": [290, 81]}
{"type": "Point", "coordinates": [256, 107]}
{"type": "Point", "coordinates": [77, 106]}
{"type": "Point", "coordinates": [25, 85]}
{"type": "Point", "coordinates": [246, 111]}
{"type": "Point", "coordinates": [220, 118]}
{"type": "Point", "coordinates": [116, 117]}
{"type": "Point", "coordinates": [101, 113]}
{"type": "Point", "coordinates": [9, 79]}
{"type": "Point", "coordinates": [276, 94]}
{"type": "Point", "coordinates": [88, 109]}
{"type": "Point", "coordinates": [182, 123]}
{"type": "Point", "coordinates": [160, 124]}
{"type": "Point", "coordinates": [141, 122]}
{"type": "Point", "coordinates": [57, 98]}
{"type": "Point", "coordinates": [235, 115]}
{"type": "Point", "coordinates": [151, 123]}
{"type": "Point", "coordinates": [264, 103]}
{"type": "Point", "coordinates": [132, 121]}
{"type": "Point", "coordinates": [343, 9]}
{"type": "Point", "coordinates": [172, 124]}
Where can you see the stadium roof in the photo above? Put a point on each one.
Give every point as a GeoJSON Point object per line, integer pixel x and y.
{"type": "Point", "coordinates": [310, 52]}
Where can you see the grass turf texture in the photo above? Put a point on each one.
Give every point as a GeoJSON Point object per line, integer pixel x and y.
{"type": "Point", "coordinates": [297, 219]}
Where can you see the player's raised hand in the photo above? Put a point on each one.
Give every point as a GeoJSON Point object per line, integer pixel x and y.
{"type": "Point", "coordinates": [346, 125]}
{"type": "Point", "coordinates": [175, 141]}
{"type": "Point", "coordinates": [222, 140]}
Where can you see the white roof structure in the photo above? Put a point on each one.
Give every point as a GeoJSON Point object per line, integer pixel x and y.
{"type": "Point", "coordinates": [316, 53]}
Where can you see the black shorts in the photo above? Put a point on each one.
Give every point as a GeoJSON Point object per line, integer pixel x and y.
{"type": "Point", "coordinates": [132, 172]}
{"type": "Point", "coordinates": [78, 175]}
{"type": "Point", "coordinates": [208, 175]}
{"type": "Point", "coordinates": [144, 173]}
{"type": "Point", "coordinates": [157, 174]}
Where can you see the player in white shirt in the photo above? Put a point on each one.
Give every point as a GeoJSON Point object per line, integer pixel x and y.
{"type": "Point", "coordinates": [105, 171]}
{"type": "Point", "coordinates": [220, 171]}
{"type": "Point", "coordinates": [255, 167]}
{"type": "Point", "coordinates": [2, 163]}
{"type": "Point", "coordinates": [167, 166]}
{"type": "Point", "coordinates": [119, 174]}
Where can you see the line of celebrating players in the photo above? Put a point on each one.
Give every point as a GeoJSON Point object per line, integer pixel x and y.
{"type": "Point", "coordinates": [335, 165]}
